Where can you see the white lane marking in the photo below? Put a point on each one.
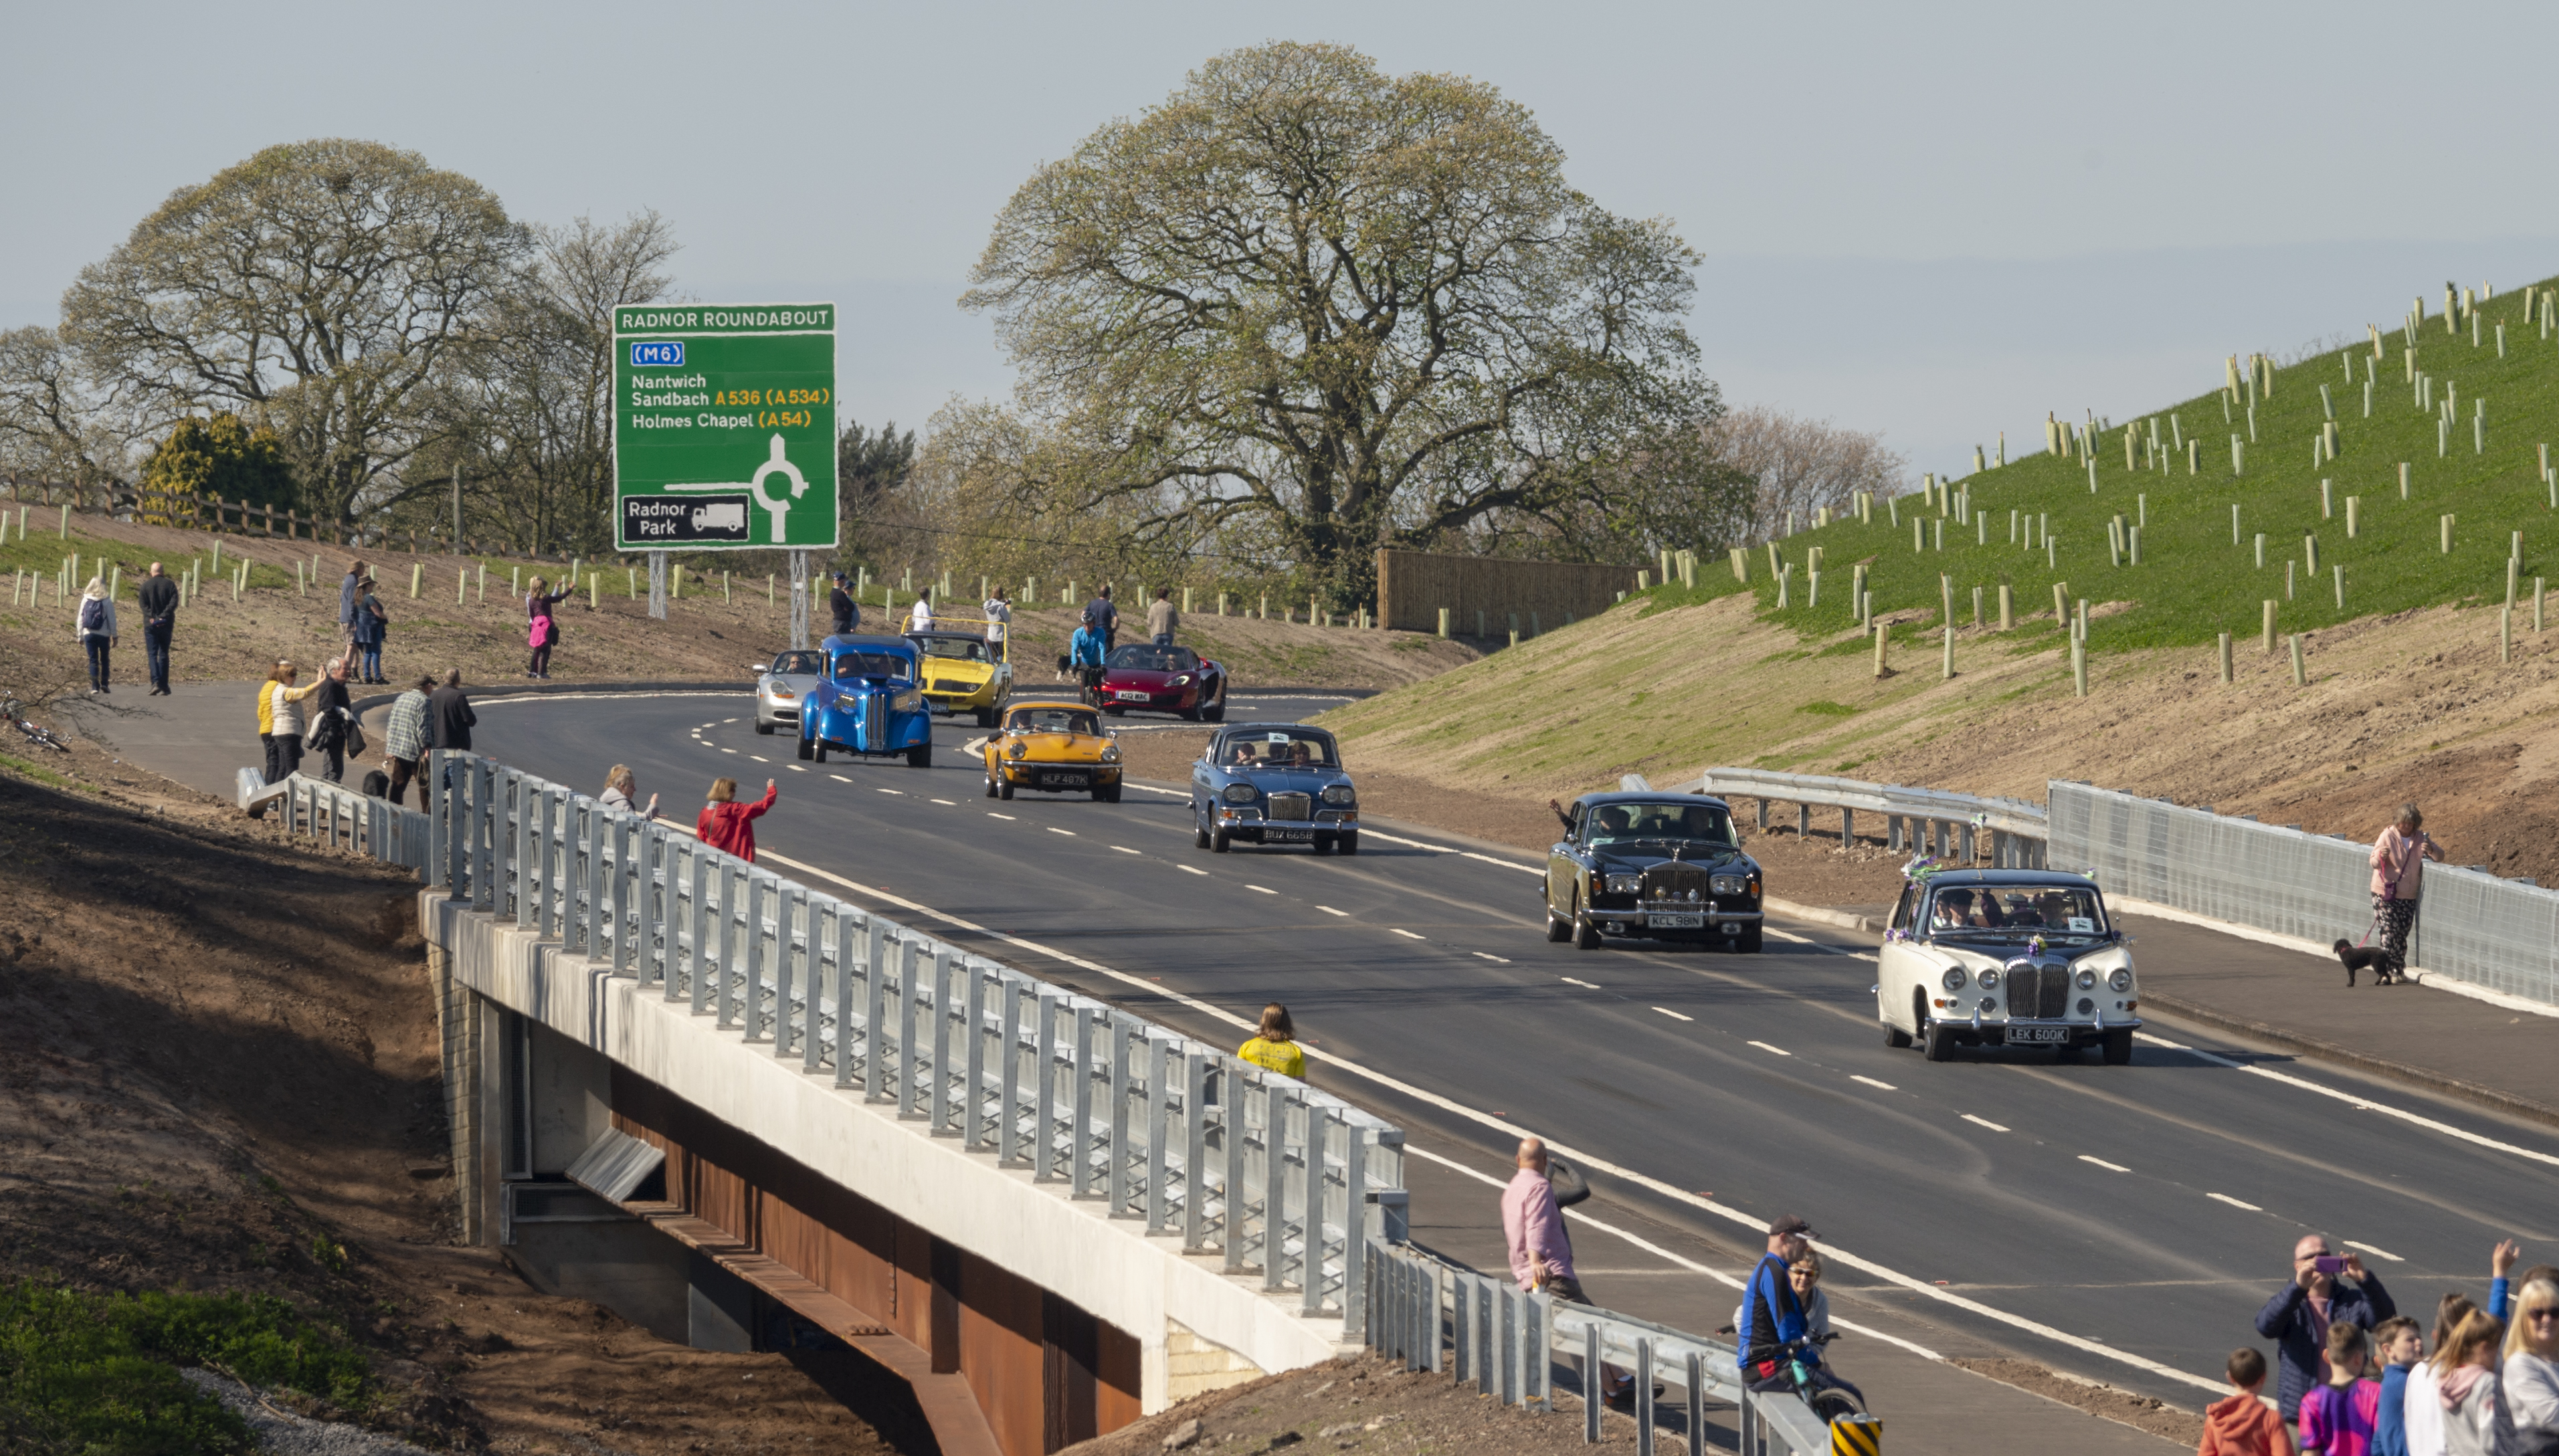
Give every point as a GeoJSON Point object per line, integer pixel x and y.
{"type": "Point", "coordinates": [1983, 1122]}
{"type": "Point", "coordinates": [1730, 1281]}
{"type": "Point", "coordinates": [2378, 1252]}
{"type": "Point", "coordinates": [1673, 1015]}
{"type": "Point", "coordinates": [706, 742]}
{"type": "Point", "coordinates": [2234, 1203]}
{"type": "Point", "coordinates": [728, 750]}
{"type": "Point", "coordinates": [1054, 829]}
{"type": "Point", "coordinates": [991, 813]}
{"type": "Point", "coordinates": [759, 758]}
{"type": "Point", "coordinates": [1371, 832]}
{"type": "Point", "coordinates": [1496, 959]}
{"type": "Point", "coordinates": [946, 802]}
{"type": "Point", "coordinates": [1870, 1081]}
{"type": "Point", "coordinates": [1859, 954]}
{"type": "Point", "coordinates": [1328, 910]}
{"type": "Point", "coordinates": [2102, 1163]}
{"type": "Point", "coordinates": [1513, 1129]}
{"type": "Point", "coordinates": [1124, 849]}
{"type": "Point", "coordinates": [1409, 936]}
{"type": "Point", "coordinates": [2360, 1104]}
{"type": "Point", "coordinates": [1257, 890]}
{"type": "Point", "coordinates": [795, 768]}
{"type": "Point", "coordinates": [839, 778]}
{"type": "Point", "coordinates": [1780, 1050]}
{"type": "Point", "coordinates": [1191, 869]}
{"type": "Point", "coordinates": [900, 792]}
{"type": "Point", "coordinates": [728, 720]}
{"type": "Point", "coordinates": [1568, 980]}
{"type": "Point", "coordinates": [1788, 936]}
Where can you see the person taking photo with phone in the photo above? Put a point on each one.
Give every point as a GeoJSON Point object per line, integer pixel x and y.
{"type": "Point", "coordinates": [2297, 1318]}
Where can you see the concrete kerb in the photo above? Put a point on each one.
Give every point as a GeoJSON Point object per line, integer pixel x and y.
{"type": "Point", "coordinates": [1111, 1269]}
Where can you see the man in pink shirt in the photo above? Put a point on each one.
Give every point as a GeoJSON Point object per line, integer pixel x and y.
{"type": "Point", "coordinates": [1540, 1249]}
{"type": "Point", "coordinates": [2398, 866]}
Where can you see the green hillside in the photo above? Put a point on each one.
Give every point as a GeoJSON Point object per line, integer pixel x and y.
{"type": "Point", "coordinates": [2192, 580]}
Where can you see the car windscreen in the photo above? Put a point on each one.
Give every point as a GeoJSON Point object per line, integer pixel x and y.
{"type": "Point", "coordinates": [1055, 720]}
{"type": "Point", "coordinates": [965, 649]}
{"type": "Point", "coordinates": [1279, 747]}
{"type": "Point", "coordinates": [1667, 824]}
{"type": "Point", "coordinates": [2048, 910]}
{"type": "Point", "coordinates": [804, 665]}
{"type": "Point", "coordinates": [873, 664]}
{"type": "Point", "coordinates": [1148, 658]}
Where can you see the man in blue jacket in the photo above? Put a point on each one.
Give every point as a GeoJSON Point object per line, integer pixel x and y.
{"type": "Point", "coordinates": [2298, 1317]}
{"type": "Point", "coordinates": [1771, 1315]}
{"type": "Point", "coordinates": [1084, 653]}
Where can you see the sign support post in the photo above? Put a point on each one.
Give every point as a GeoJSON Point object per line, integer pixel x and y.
{"type": "Point", "coordinates": [799, 598]}
{"type": "Point", "coordinates": [658, 585]}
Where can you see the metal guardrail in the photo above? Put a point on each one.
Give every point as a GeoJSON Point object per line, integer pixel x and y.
{"type": "Point", "coordinates": [1283, 1181]}
{"type": "Point", "coordinates": [345, 819]}
{"type": "Point", "coordinates": [2497, 933]}
{"type": "Point", "coordinates": [1950, 825]}
{"type": "Point", "coordinates": [1435, 1316]}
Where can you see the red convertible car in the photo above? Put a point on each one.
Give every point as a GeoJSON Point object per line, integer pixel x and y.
{"type": "Point", "coordinates": [1163, 680]}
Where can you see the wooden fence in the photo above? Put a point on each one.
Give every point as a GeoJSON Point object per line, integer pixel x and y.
{"type": "Point", "coordinates": [1489, 596]}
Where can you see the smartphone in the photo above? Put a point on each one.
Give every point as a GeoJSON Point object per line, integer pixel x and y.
{"type": "Point", "coordinates": [2328, 1264]}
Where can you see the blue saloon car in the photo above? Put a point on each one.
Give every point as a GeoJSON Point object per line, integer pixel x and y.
{"type": "Point", "coordinates": [1273, 784]}
{"type": "Point", "coordinates": [868, 703]}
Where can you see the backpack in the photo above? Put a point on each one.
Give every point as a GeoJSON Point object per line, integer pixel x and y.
{"type": "Point", "coordinates": [92, 616]}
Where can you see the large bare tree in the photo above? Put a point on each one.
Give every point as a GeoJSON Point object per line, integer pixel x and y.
{"type": "Point", "coordinates": [1796, 465]}
{"type": "Point", "coordinates": [53, 424]}
{"type": "Point", "coordinates": [1324, 309]}
{"type": "Point", "coordinates": [315, 287]}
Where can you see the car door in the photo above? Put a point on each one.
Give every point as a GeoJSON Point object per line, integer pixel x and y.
{"type": "Point", "coordinates": [1562, 869]}
{"type": "Point", "coordinates": [1895, 969]}
{"type": "Point", "coordinates": [1204, 782]}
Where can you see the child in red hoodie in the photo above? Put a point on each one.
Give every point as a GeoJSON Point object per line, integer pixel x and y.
{"type": "Point", "coordinates": [731, 826]}
{"type": "Point", "coordinates": [2243, 1424]}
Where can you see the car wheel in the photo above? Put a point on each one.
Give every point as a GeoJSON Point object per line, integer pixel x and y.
{"type": "Point", "coordinates": [1215, 714]}
{"type": "Point", "coordinates": [1004, 788]}
{"type": "Point", "coordinates": [1585, 936]}
{"type": "Point", "coordinates": [764, 728]}
{"type": "Point", "coordinates": [1349, 843]}
{"type": "Point", "coordinates": [1556, 930]}
{"type": "Point", "coordinates": [804, 749]}
{"type": "Point", "coordinates": [990, 785]}
{"type": "Point", "coordinates": [2119, 1047]}
{"type": "Point", "coordinates": [1939, 1045]}
{"type": "Point", "coordinates": [1199, 830]}
{"type": "Point", "coordinates": [1217, 842]}
{"type": "Point", "coordinates": [1189, 715]}
{"type": "Point", "coordinates": [1894, 1037]}
{"type": "Point", "coordinates": [920, 756]}
{"type": "Point", "coordinates": [820, 751]}
{"type": "Point", "coordinates": [1748, 942]}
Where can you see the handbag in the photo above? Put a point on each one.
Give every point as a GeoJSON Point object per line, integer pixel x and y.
{"type": "Point", "coordinates": [356, 744]}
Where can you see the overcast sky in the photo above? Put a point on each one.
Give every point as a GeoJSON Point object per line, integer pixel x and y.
{"type": "Point", "coordinates": [1939, 221]}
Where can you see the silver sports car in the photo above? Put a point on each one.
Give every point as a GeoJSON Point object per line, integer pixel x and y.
{"type": "Point", "coordinates": [780, 688]}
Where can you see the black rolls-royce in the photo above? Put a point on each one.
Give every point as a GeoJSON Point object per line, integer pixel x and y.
{"type": "Point", "coordinates": [1652, 866]}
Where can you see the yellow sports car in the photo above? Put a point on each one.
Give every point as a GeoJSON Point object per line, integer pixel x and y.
{"type": "Point", "coordinates": [960, 676]}
{"type": "Point", "coordinates": [1055, 748]}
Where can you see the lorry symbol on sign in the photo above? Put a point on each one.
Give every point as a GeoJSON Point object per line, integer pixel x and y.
{"type": "Point", "coordinates": [720, 517]}
{"type": "Point", "coordinates": [780, 464]}
{"type": "Point", "coordinates": [665, 356]}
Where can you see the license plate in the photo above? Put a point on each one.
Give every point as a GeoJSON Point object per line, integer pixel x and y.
{"type": "Point", "coordinates": [2038, 1033]}
{"type": "Point", "coordinates": [1075, 780]}
{"type": "Point", "coordinates": [1125, 695]}
{"type": "Point", "coordinates": [1289, 835]}
{"type": "Point", "coordinates": [1677, 922]}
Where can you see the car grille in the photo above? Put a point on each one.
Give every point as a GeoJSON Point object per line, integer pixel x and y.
{"type": "Point", "coordinates": [1680, 882]}
{"type": "Point", "coordinates": [874, 722]}
{"type": "Point", "coordinates": [953, 684]}
{"type": "Point", "coordinates": [2039, 991]}
{"type": "Point", "coordinates": [1299, 806]}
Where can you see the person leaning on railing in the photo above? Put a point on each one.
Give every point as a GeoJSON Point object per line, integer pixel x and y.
{"type": "Point", "coordinates": [408, 738]}
{"type": "Point", "coordinates": [1274, 1047]}
{"type": "Point", "coordinates": [2398, 869]}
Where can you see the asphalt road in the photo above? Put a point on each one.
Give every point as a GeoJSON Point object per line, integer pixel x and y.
{"type": "Point", "coordinates": [2119, 1223]}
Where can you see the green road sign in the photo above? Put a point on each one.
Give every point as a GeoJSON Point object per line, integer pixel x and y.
{"type": "Point", "coordinates": [724, 426]}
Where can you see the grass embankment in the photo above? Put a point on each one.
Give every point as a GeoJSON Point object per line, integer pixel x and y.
{"type": "Point", "coordinates": [2195, 581]}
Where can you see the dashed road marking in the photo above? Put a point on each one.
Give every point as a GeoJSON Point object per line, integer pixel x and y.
{"type": "Point", "coordinates": [1054, 829]}
{"type": "Point", "coordinates": [2234, 1203]}
{"type": "Point", "coordinates": [1191, 869]}
{"type": "Point", "coordinates": [1983, 1122]}
{"type": "Point", "coordinates": [2376, 1253]}
{"type": "Point", "coordinates": [759, 758]}
{"type": "Point", "coordinates": [1257, 889]}
{"type": "Point", "coordinates": [1870, 1081]}
{"type": "Point", "coordinates": [795, 768]}
{"type": "Point", "coordinates": [2361, 1104]}
{"type": "Point", "coordinates": [2102, 1163]}
{"type": "Point", "coordinates": [1571, 981]}
{"type": "Point", "coordinates": [1124, 849]}
{"type": "Point", "coordinates": [839, 778]}
{"type": "Point", "coordinates": [728, 750]}
{"type": "Point", "coordinates": [1780, 1050]}
{"type": "Point", "coordinates": [1673, 1015]}
{"type": "Point", "coordinates": [900, 792]}
{"type": "Point", "coordinates": [1409, 936]}
{"type": "Point", "coordinates": [1496, 959]}
{"type": "Point", "coordinates": [946, 802]}
{"type": "Point", "coordinates": [1328, 910]}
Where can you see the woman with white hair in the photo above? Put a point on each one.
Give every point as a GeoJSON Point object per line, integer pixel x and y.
{"type": "Point", "coordinates": [95, 630]}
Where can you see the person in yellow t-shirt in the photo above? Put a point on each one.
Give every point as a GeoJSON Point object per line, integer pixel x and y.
{"type": "Point", "coordinates": [1274, 1047]}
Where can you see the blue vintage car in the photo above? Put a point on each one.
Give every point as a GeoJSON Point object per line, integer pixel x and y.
{"type": "Point", "coordinates": [1273, 784]}
{"type": "Point", "coordinates": [868, 703]}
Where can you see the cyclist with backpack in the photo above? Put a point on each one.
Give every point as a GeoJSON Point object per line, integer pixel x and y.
{"type": "Point", "coordinates": [97, 632]}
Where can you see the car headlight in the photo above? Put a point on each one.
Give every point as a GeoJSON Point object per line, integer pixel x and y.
{"type": "Point", "coordinates": [2087, 980]}
{"type": "Point", "coordinates": [2122, 979]}
{"type": "Point", "coordinates": [1337, 793]}
{"type": "Point", "coordinates": [1018, 749]}
{"type": "Point", "coordinates": [1731, 884]}
{"type": "Point", "coordinates": [1954, 979]}
{"type": "Point", "coordinates": [778, 690]}
{"type": "Point", "coordinates": [1239, 794]}
{"type": "Point", "coordinates": [1626, 884]}
{"type": "Point", "coordinates": [1178, 681]}
{"type": "Point", "coordinates": [1990, 979]}
{"type": "Point", "coordinates": [1111, 753]}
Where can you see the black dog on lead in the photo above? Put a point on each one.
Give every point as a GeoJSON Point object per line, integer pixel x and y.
{"type": "Point", "coordinates": [2368, 958]}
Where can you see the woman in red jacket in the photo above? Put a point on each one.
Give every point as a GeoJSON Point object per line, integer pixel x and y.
{"type": "Point", "coordinates": [727, 824]}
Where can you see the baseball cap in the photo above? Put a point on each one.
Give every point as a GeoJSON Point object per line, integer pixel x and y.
{"type": "Point", "coordinates": [1788, 1224]}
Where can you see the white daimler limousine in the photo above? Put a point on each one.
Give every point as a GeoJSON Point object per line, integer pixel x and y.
{"type": "Point", "coordinates": [2005, 957]}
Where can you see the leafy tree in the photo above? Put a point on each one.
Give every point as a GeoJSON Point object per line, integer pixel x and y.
{"type": "Point", "coordinates": [222, 456]}
{"type": "Point", "coordinates": [317, 286]}
{"type": "Point", "coordinates": [869, 469]}
{"type": "Point", "coordinates": [1323, 309]}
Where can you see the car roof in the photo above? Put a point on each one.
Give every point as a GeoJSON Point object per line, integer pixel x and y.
{"type": "Point", "coordinates": [1231, 729]}
{"type": "Point", "coordinates": [851, 644]}
{"type": "Point", "coordinates": [2054, 879]}
{"type": "Point", "coordinates": [1648, 795]}
{"type": "Point", "coordinates": [1068, 704]}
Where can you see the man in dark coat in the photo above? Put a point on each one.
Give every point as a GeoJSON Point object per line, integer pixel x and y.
{"type": "Point", "coordinates": [448, 714]}
{"type": "Point", "coordinates": [841, 606]}
{"type": "Point", "coordinates": [159, 597]}
{"type": "Point", "coordinates": [2297, 1319]}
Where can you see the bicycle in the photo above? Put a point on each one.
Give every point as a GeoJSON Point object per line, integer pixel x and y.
{"type": "Point", "coordinates": [15, 712]}
{"type": "Point", "coordinates": [1800, 1369]}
